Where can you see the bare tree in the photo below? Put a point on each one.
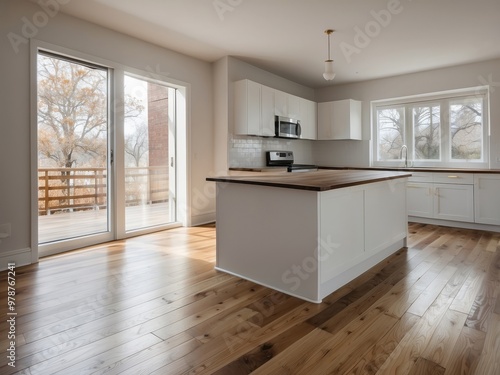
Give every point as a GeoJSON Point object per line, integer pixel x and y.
{"type": "Point", "coordinates": [466, 130]}
{"type": "Point", "coordinates": [426, 132]}
{"type": "Point", "coordinates": [136, 145]}
{"type": "Point", "coordinates": [72, 112]}
{"type": "Point", "coordinates": [391, 124]}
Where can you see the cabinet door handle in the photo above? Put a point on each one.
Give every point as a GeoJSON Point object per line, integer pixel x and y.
{"type": "Point", "coordinates": [453, 177]}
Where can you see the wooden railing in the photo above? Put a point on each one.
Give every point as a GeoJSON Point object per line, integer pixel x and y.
{"type": "Point", "coordinates": [74, 189]}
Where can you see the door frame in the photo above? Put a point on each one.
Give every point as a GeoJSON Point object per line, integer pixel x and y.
{"type": "Point", "coordinates": [116, 73]}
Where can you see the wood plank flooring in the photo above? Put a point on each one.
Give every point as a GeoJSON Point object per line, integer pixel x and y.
{"type": "Point", "coordinates": [155, 305]}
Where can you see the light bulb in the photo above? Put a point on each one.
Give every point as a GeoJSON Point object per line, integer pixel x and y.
{"type": "Point", "coordinates": [329, 74]}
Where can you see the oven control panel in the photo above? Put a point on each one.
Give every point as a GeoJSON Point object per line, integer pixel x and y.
{"type": "Point", "coordinates": [274, 158]}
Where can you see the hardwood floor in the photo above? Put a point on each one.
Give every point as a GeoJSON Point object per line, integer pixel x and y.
{"type": "Point", "coordinates": [155, 305]}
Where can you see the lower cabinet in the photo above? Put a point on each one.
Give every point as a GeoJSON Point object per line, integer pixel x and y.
{"type": "Point", "coordinates": [308, 243]}
{"type": "Point", "coordinates": [464, 197]}
{"type": "Point", "coordinates": [384, 220]}
{"type": "Point", "coordinates": [487, 198]}
{"type": "Point", "coordinates": [359, 223]}
{"type": "Point", "coordinates": [454, 202]}
{"type": "Point", "coordinates": [420, 197]}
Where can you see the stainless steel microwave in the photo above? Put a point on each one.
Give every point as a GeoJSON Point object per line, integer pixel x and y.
{"type": "Point", "coordinates": [286, 127]}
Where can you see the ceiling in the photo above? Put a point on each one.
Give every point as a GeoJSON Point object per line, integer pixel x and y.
{"type": "Point", "coordinates": [372, 39]}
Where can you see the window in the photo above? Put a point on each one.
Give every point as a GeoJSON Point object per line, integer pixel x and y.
{"type": "Point", "coordinates": [445, 130]}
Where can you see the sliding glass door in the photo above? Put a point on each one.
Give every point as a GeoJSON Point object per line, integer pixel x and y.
{"type": "Point", "coordinates": [149, 154]}
{"type": "Point", "coordinates": [73, 149]}
{"type": "Point", "coordinates": [106, 153]}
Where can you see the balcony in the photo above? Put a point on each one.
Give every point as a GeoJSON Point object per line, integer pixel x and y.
{"type": "Point", "coordinates": [75, 200]}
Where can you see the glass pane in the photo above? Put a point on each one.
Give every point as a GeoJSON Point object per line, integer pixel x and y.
{"type": "Point", "coordinates": [390, 131]}
{"type": "Point", "coordinates": [466, 129]}
{"type": "Point", "coordinates": [72, 149]}
{"type": "Point", "coordinates": [427, 133]}
{"type": "Point", "coordinates": [147, 129]}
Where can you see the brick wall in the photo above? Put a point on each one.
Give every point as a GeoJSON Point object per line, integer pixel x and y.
{"type": "Point", "coordinates": [158, 124]}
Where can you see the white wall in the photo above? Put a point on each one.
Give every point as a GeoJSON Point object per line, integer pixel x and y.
{"type": "Point", "coordinates": [69, 32]}
{"type": "Point", "coordinates": [357, 153]}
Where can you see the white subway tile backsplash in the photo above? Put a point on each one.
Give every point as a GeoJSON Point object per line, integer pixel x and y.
{"type": "Point", "coordinates": [249, 152]}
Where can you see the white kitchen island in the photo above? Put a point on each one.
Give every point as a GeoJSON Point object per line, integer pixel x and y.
{"type": "Point", "coordinates": [308, 234]}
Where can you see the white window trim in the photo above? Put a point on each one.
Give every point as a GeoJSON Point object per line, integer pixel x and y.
{"type": "Point", "coordinates": [438, 97]}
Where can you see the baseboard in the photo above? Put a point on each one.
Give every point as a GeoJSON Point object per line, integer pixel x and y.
{"type": "Point", "coordinates": [454, 224]}
{"type": "Point", "coordinates": [202, 219]}
{"type": "Point", "coordinates": [335, 283]}
{"type": "Point", "coordinates": [21, 257]}
{"type": "Point", "coordinates": [282, 290]}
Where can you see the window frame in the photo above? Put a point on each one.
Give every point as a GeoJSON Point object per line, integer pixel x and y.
{"type": "Point", "coordinates": [444, 99]}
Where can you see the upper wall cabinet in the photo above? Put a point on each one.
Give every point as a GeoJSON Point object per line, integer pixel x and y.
{"type": "Point", "coordinates": [255, 106]}
{"type": "Point", "coordinates": [308, 119]}
{"type": "Point", "coordinates": [339, 120]}
{"type": "Point", "coordinates": [253, 109]}
{"type": "Point", "coordinates": [286, 105]}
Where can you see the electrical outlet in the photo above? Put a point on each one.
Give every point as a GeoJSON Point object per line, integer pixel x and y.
{"type": "Point", "coordinates": [5, 230]}
{"type": "Point", "coordinates": [498, 159]}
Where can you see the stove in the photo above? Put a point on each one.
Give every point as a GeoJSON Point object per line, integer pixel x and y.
{"type": "Point", "coordinates": [302, 168]}
{"type": "Point", "coordinates": [285, 159]}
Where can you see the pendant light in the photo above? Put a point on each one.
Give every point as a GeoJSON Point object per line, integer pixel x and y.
{"type": "Point", "coordinates": [329, 74]}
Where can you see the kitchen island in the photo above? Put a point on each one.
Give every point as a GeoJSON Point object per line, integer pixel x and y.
{"type": "Point", "coordinates": [307, 234]}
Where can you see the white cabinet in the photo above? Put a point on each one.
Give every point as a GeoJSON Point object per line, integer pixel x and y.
{"type": "Point", "coordinates": [487, 198]}
{"type": "Point", "coordinates": [287, 105]}
{"type": "Point", "coordinates": [420, 197]}
{"type": "Point", "coordinates": [301, 109]}
{"type": "Point", "coordinates": [293, 106]}
{"type": "Point", "coordinates": [342, 231]}
{"type": "Point", "coordinates": [385, 220]}
{"type": "Point", "coordinates": [267, 111]}
{"type": "Point", "coordinates": [310, 243]}
{"type": "Point", "coordinates": [256, 105]}
{"type": "Point", "coordinates": [308, 119]}
{"type": "Point", "coordinates": [253, 109]}
{"type": "Point", "coordinates": [280, 103]}
{"type": "Point", "coordinates": [454, 202]}
{"type": "Point", "coordinates": [441, 196]}
{"type": "Point", "coordinates": [339, 120]}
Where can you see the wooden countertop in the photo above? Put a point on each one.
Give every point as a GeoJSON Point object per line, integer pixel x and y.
{"type": "Point", "coordinates": [322, 180]}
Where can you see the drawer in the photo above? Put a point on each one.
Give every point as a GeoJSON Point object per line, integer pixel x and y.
{"type": "Point", "coordinates": [454, 178]}
{"type": "Point", "coordinates": [421, 177]}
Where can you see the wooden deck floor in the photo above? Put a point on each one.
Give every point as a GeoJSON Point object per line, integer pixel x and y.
{"type": "Point", "coordinates": [74, 224]}
{"type": "Point", "coordinates": [155, 305]}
